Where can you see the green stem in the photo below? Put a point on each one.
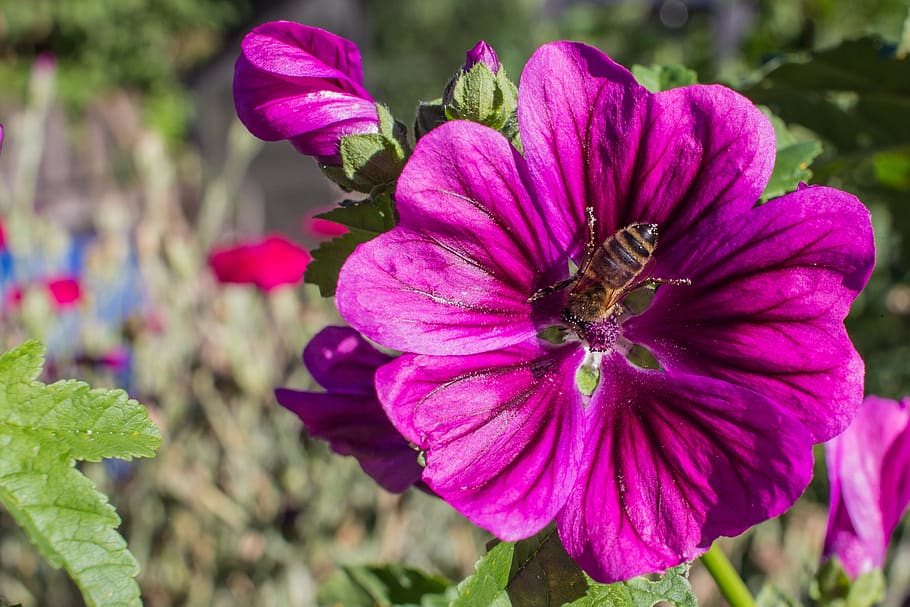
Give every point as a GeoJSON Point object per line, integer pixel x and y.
{"type": "Point", "coordinates": [727, 579]}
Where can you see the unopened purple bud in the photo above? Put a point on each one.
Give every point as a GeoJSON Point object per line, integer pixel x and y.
{"type": "Point", "coordinates": [481, 53]}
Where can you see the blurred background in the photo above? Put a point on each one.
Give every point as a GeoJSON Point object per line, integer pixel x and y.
{"type": "Point", "coordinates": [123, 166]}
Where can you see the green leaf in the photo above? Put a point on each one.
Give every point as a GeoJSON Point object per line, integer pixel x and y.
{"type": "Point", "coordinates": [44, 429]}
{"type": "Point", "coordinates": [771, 596]}
{"type": "Point", "coordinates": [487, 587]}
{"type": "Point", "coordinates": [791, 166]}
{"type": "Point", "coordinates": [374, 216]}
{"type": "Point", "coordinates": [672, 587]}
{"type": "Point", "coordinates": [328, 258]}
{"type": "Point", "coordinates": [391, 585]}
{"type": "Point", "coordinates": [856, 95]}
{"type": "Point", "coordinates": [543, 574]}
{"type": "Point", "coordinates": [832, 587]}
{"type": "Point", "coordinates": [658, 78]}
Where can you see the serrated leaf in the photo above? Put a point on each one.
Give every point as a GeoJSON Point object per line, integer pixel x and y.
{"type": "Point", "coordinates": [44, 429]}
{"type": "Point", "coordinates": [328, 258]}
{"type": "Point", "coordinates": [543, 574]}
{"type": "Point", "coordinates": [487, 587]}
{"type": "Point", "coordinates": [373, 215]}
{"type": "Point", "coordinates": [791, 165]}
{"type": "Point", "coordinates": [391, 585]}
{"type": "Point", "coordinates": [672, 587]}
{"type": "Point", "coordinates": [658, 78]}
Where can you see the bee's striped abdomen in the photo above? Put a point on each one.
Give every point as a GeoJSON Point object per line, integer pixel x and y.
{"type": "Point", "coordinates": [623, 255]}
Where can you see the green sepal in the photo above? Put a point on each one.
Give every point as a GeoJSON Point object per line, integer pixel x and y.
{"type": "Point", "coordinates": [430, 114]}
{"type": "Point", "coordinates": [481, 96]}
{"type": "Point", "coordinates": [658, 78]}
{"type": "Point", "coordinates": [371, 160]}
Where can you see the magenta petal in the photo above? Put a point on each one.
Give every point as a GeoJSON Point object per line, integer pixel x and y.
{"type": "Point", "coordinates": [470, 248]}
{"type": "Point", "coordinates": [869, 471]}
{"type": "Point", "coordinates": [674, 461]}
{"type": "Point", "coordinates": [355, 424]}
{"type": "Point", "coordinates": [349, 415]}
{"type": "Point", "coordinates": [509, 459]}
{"type": "Point", "coordinates": [343, 361]}
{"type": "Point", "coordinates": [304, 84]}
{"type": "Point", "coordinates": [594, 137]}
{"type": "Point", "coordinates": [765, 310]}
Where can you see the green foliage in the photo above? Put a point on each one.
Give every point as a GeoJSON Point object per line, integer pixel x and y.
{"type": "Point", "coordinates": [791, 166]}
{"type": "Point", "coordinates": [366, 220]}
{"type": "Point", "coordinates": [543, 574]}
{"type": "Point", "coordinates": [672, 587]}
{"type": "Point", "coordinates": [391, 585]}
{"type": "Point", "coordinates": [658, 78]}
{"type": "Point", "coordinates": [44, 429]}
{"type": "Point", "coordinates": [833, 588]}
{"type": "Point", "coordinates": [487, 587]}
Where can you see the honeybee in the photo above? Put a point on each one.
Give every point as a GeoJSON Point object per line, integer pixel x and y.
{"type": "Point", "coordinates": [608, 273]}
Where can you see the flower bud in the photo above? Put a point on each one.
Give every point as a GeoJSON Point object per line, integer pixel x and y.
{"type": "Point", "coordinates": [481, 53]}
{"type": "Point", "coordinates": [481, 91]}
{"type": "Point", "coordinates": [303, 84]}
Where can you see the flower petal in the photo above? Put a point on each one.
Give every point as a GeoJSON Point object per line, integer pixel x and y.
{"type": "Point", "coordinates": [471, 247]}
{"type": "Point", "coordinates": [765, 310]}
{"type": "Point", "coordinates": [355, 424]}
{"type": "Point", "coordinates": [674, 461]}
{"type": "Point", "coordinates": [343, 361]}
{"type": "Point", "coordinates": [304, 84]}
{"type": "Point", "coordinates": [869, 471]}
{"type": "Point", "coordinates": [502, 430]}
{"type": "Point", "coordinates": [594, 137]}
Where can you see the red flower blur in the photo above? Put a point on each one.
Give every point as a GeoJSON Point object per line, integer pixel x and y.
{"type": "Point", "coordinates": [267, 263]}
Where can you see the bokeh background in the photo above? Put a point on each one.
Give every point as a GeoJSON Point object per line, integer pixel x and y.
{"type": "Point", "coordinates": [123, 165]}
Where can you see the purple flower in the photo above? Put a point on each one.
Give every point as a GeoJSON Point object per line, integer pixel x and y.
{"type": "Point", "coordinates": [869, 471]}
{"type": "Point", "coordinates": [348, 414]}
{"type": "Point", "coordinates": [755, 362]}
{"type": "Point", "coordinates": [304, 84]}
{"type": "Point", "coordinates": [481, 53]}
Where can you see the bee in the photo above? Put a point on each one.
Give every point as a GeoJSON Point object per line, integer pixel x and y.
{"type": "Point", "coordinates": [608, 273]}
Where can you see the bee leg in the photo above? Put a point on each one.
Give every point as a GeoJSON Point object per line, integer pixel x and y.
{"type": "Point", "coordinates": [592, 242]}
{"type": "Point", "coordinates": [552, 288]}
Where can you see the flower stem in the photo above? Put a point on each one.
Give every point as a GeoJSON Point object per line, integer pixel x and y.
{"type": "Point", "coordinates": [727, 579]}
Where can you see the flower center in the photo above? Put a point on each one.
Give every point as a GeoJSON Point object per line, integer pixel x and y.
{"type": "Point", "coordinates": [600, 334]}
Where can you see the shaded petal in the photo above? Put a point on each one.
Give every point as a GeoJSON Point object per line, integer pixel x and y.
{"type": "Point", "coordinates": [869, 472]}
{"type": "Point", "coordinates": [343, 361]}
{"type": "Point", "coordinates": [502, 430]}
{"type": "Point", "coordinates": [355, 424]}
{"type": "Point", "coordinates": [770, 290]}
{"type": "Point", "coordinates": [470, 248]}
{"type": "Point", "coordinates": [673, 462]}
{"type": "Point", "coordinates": [594, 137]}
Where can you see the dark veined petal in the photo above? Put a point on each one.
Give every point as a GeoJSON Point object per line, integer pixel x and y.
{"type": "Point", "coordinates": [594, 137]}
{"type": "Point", "coordinates": [765, 310]}
{"type": "Point", "coordinates": [471, 247]}
{"type": "Point", "coordinates": [869, 473]}
{"type": "Point", "coordinates": [355, 424]}
{"type": "Point", "coordinates": [672, 462]}
{"type": "Point", "coordinates": [502, 430]}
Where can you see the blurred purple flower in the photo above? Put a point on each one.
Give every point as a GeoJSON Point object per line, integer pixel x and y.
{"type": "Point", "coordinates": [869, 471]}
{"type": "Point", "coordinates": [755, 362]}
{"type": "Point", "coordinates": [304, 84]}
{"type": "Point", "coordinates": [348, 415]}
{"type": "Point", "coordinates": [481, 53]}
